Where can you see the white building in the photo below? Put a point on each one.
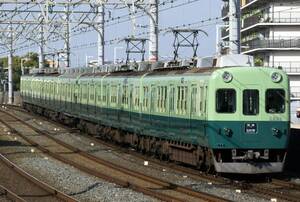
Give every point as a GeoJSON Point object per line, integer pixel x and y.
{"type": "Point", "coordinates": [270, 31]}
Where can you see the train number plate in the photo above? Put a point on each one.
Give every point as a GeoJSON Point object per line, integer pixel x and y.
{"type": "Point", "coordinates": [250, 128]}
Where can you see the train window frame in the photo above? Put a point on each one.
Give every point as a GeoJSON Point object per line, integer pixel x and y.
{"type": "Point", "coordinates": [145, 98]}
{"type": "Point", "coordinates": [114, 94]}
{"type": "Point", "coordinates": [136, 99]}
{"type": "Point", "coordinates": [98, 94]}
{"type": "Point", "coordinates": [283, 100]}
{"type": "Point", "coordinates": [194, 100]}
{"type": "Point", "coordinates": [172, 98]}
{"type": "Point", "coordinates": [182, 99]}
{"type": "Point", "coordinates": [235, 101]}
{"type": "Point", "coordinates": [161, 99]}
{"type": "Point", "coordinates": [257, 104]}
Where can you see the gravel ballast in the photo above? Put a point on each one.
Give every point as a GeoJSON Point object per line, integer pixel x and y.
{"type": "Point", "coordinates": [133, 163]}
{"type": "Point", "coordinates": [68, 179]}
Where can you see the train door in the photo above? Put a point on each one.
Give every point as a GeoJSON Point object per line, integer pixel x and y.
{"type": "Point", "coordinates": [250, 111]}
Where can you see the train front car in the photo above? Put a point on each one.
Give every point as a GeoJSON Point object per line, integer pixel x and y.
{"type": "Point", "coordinates": [248, 119]}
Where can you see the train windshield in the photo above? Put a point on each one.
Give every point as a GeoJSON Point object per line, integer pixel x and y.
{"type": "Point", "coordinates": [275, 101]}
{"type": "Point", "coordinates": [226, 101]}
{"type": "Point", "coordinates": [250, 102]}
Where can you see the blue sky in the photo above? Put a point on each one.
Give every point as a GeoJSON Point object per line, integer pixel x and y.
{"type": "Point", "coordinates": [197, 11]}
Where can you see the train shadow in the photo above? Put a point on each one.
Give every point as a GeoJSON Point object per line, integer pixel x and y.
{"type": "Point", "coordinates": [7, 143]}
{"type": "Point", "coordinates": [292, 160]}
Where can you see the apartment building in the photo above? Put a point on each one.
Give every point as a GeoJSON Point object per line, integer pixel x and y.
{"type": "Point", "coordinates": [270, 31]}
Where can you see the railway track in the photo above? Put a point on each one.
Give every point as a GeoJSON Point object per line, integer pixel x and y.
{"type": "Point", "coordinates": [140, 182]}
{"type": "Point", "coordinates": [8, 195]}
{"type": "Point", "coordinates": [21, 186]}
{"type": "Point", "coordinates": [272, 190]}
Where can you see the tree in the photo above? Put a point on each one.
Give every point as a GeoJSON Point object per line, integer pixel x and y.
{"type": "Point", "coordinates": [32, 62]}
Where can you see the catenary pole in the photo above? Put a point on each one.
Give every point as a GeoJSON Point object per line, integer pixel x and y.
{"type": "Point", "coordinates": [153, 39]}
{"type": "Point", "coordinates": [234, 27]}
{"type": "Point", "coordinates": [100, 28]}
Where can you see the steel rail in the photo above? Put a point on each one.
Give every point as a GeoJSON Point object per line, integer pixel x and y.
{"type": "Point", "coordinates": [35, 181]}
{"type": "Point", "coordinates": [161, 196]}
{"type": "Point", "coordinates": [285, 184]}
{"type": "Point", "coordinates": [11, 195]}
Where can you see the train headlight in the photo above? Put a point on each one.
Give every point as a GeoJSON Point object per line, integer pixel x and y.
{"type": "Point", "coordinates": [227, 77]}
{"type": "Point", "coordinates": [276, 77]}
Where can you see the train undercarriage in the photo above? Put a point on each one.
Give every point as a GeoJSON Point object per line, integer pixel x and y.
{"type": "Point", "coordinates": [196, 156]}
{"type": "Point", "coordinates": [199, 157]}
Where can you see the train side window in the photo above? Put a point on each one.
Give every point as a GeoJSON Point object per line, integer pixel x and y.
{"type": "Point", "coordinates": [98, 93]}
{"type": "Point", "coordinates": [153, 98]}
{"type": "Point", "coordinates": [70, 90]}
{"type": "Point", "coordinates": [226, 101]}
{"type": "Point", "coordinates": [161, 99]}
{"type": "Point", "coordinates": [275, 101]}
{"type": "Point", "coordinates": [250, 102]}
{"type": "Point", "coordinates": [84, 91]}
{"type": "Point", "coordinates": [172, 99]}
{"type": "Point", "coordinates": [104, 94]}
{"type": "Point", "coordinates": [182, 92]}
{"type": "Point", "coordinates": [92, 92]}
{"type": "Point", "coordinates": [136, 97]}
{"type": "Point", "coordinates": [125, 95]}
{"type": "Point", "coordinates": [194, 101]}
{"type": "Point", "coordinates": [113, 98]}
{"type": "Point", "coordinates": [145, 97]}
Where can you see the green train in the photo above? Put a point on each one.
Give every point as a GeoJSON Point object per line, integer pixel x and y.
{"type": "Point", "coordinates": [233, 120]}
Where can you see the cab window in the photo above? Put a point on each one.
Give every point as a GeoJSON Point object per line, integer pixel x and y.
{"type": "Point", "coordinates": [275, 101]}
{"type": "Point", "coordinates": [250, 102]}
{"type": "Point", "coordinates": [226, 101]}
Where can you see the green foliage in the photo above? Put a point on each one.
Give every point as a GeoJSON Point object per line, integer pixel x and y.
{"type": "Point", "coordinates": [31, 62]}
{"type": "Point", "coordinates": [258, 61]}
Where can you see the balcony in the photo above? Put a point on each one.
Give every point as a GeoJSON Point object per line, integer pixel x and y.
{"type": "Point", "coordinates": [295, 95]}
{"type": "Point", "coordinates": [225, 32]}
{"type": "Point", "coordinates": [251, 4]}
{"type": "Point", "coordinates": [278, 17]}
{"type": "Point", "coordinates": [225, 11]}
{"type": "Point", "coordinates": [292, 43]}
{"type": "Point", "coordinates": [290, 67]}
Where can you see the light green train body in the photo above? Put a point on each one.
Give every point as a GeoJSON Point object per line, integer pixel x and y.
{"type": "Point", "coordinates": [177, 106]}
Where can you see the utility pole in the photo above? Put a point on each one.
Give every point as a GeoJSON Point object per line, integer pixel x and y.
{"type": "Point", "coordinates": [100, 31]}
{"type": "Point", "coordinates": [42, 41]}
{"type": "Point", "coordinates": [153, 40]}
{"type": "Point", "coordinates": [234, 27]}
{"type": "Point", "coordinates": [67, 36]}
{"type": "Point", "coordinates": [10, 67]}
